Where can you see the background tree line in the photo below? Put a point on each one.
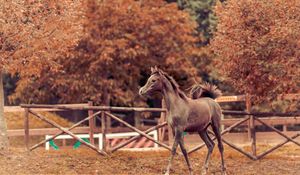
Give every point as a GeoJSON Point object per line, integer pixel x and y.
{"type": "Point", "coordinates": [119, 40]}
{"type": "Point", "coordinates": [74, 51]}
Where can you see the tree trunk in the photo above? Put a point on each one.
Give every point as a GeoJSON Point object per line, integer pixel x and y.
{"type": "Point", "coordinates": [3, 127]}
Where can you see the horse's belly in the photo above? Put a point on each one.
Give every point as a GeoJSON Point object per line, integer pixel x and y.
{"type": "Point", "coordinates": [195, 127]}
{"type": "Point", "coordinates": [197, 123]}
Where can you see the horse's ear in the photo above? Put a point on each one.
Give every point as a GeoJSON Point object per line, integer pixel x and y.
{"type": "Point", "coordinates": [152, 69]}
{"type": "Point", "coordinates": [160, 72]}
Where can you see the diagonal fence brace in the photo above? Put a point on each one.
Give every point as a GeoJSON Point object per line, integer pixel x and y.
{"type": "Point", "coordinates": [223, 132]}
{"type": "Point", "coordinates": [138, 131]}
{"type": "Point", "coordinates": [69, 129]}
{"type": "Point", "coordinates": [138, 136]}
{"type": "Point", "coordinates": [236, 148]}
{"type": "Point", "coordinates": [68, 132]}
{"type": "Point", "coordinates": [276, 147]}
{"type": "Point", "coordinates": [277, 131]}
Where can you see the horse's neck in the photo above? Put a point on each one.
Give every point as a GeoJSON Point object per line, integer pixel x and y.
{"type": "Point", "coordinates": [171, 96]}
{"type": "Point", "coordinates": [172, 99]}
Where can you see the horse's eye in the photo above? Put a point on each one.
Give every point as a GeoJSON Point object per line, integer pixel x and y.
{"type": "Point", "coordinates": [153, 80]}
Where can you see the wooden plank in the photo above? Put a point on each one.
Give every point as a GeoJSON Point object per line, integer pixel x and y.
{"type": "Point", "coordinates": [251, 120]}
{"type": "Point", "coordinates": [262, 114]}
{"type": "Point", "coordinates": [137, 119]}
{"type": "Point", "coordinates": [136, 137]}
{"type": "Point", "coordinates": [278, 132]}
{"type": "Point", "coordinates": [241, 138]}
{"type": "Point", "coordinates": [235, 98]}
{"type": "Point", "coordinates": [26, 128]}
{"type": "Point", "coordinates": [139, 109]}
{"type": "Point", "coordinates": [270, 120]}
{"type": "Point", "coordinates": [138, 131]}
{"type": "Point", "coordinates": [104, 130]}
{"type": "Point", "coordinates": [20, 109]}
{"type": "Point", "coordinates": [77, 130]}
{"type": "Point", "coordinates": [61, 132]}
{"type": "Point", "coordinates": [276, 147]}
{"type": "Point", "coordinates": [253, 157]}
{"type": "Point", "coordinates": [227, 122]}
{"type": "Point", "coordinates": [91, 124]}
{"type": "Point", "coordinates": [102, 108]}
{"type": "Point", "coordinates": [222, 133]}
{"type": "Point", "coordinates": [252, 135]}
{"type": "Point", "coordinates": [68, 132]}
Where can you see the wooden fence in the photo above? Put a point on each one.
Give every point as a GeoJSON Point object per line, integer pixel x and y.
{"type": "Point", "coordinates": [258, 117]}
{"type": "Point", "coordinates": [104, 112]}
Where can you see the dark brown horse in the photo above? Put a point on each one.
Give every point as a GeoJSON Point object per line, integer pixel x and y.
{"type": "Point", "coordinates": [188, 114]}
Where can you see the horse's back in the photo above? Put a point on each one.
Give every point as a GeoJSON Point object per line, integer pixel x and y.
{"type": "Point", "coordinates": [210, 104]}
{"type": "Point", "coordinates": [202, 111]}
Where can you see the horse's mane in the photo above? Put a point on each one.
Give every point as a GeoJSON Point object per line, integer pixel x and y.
{"type": "Point", "coordinates": [172, 81]}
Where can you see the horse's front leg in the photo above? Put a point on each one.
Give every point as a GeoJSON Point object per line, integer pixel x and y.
{"type": "Point", "coordinates": [173, 152]}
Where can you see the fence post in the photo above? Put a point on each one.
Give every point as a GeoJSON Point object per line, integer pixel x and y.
{"type": "Point", "coordinates": [248, 109]}
{"type": "Point", "coordinates": [137, 119]}
{"type": "Point", "coordinates": [284, 129]}
{"type": "Point", "coordinates": [253, 134]}
{"type": "Point", "coordinates": [26, 127]}
{"type": "Point", "coordinates": [91, 124]}
{"type": "Point", "coordinates": [103, 127]}
{"type": "Point", "coordinates": [251, 126]}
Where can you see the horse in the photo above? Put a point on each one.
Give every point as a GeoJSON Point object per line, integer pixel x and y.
{"type": "Point", "coordinates": [188, 114]}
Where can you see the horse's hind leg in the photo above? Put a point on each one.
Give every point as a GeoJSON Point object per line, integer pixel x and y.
{"type": "Point", "coordinates": [184, 152]}
{"type": "Point", "coordinates": [216, 128]}
{"type": "Point", "coordinates": [210, 146]}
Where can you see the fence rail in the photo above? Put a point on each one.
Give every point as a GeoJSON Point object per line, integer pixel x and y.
{"type": "Point", "coordinates": [103, 113]}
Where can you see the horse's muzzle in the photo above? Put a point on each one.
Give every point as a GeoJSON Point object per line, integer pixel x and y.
{"type": "Point", "coordinates": [141, 92]}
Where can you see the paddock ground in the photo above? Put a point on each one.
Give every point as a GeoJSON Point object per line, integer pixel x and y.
{"type": "Point", "coordinates": [284, 161]}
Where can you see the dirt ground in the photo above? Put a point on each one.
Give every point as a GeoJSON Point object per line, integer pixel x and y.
{"type": "Point", "coordinates": [284, 161]}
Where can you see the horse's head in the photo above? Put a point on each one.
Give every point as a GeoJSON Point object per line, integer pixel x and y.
{"type": "Point", "coordinates": [154, 83]}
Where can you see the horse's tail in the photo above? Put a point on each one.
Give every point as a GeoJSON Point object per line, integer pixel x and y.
{"type": "Point", "coordinates": [205, 90]}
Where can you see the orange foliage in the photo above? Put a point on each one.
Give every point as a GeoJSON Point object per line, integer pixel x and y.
{"type": "Point", "coordinates": [257, 46]}
{"type": "Point", "coordinates": [122, 40]}
{"type": "Point", "coordinates": [34, 32]}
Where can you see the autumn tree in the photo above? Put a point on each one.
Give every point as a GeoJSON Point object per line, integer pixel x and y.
{"type": "Point", "coordinates": [32, 35]}
{"type": "Point", "coordinates": [257, 46]}
{"type": "Point", "coordinates": [202, 11]}
{"type": "Point", "coordinates": [122, 40]}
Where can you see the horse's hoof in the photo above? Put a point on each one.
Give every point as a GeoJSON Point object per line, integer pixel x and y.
{"type": "Point", "coordinates": [223, 169]}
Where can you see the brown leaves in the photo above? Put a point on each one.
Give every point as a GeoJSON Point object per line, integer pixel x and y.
{"type": "Point", "coordinates": [33, 33]}
{"type": "Point", "coordinates": [122, 40]}
{"type": "Point", "coordinates": [256, 46]}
